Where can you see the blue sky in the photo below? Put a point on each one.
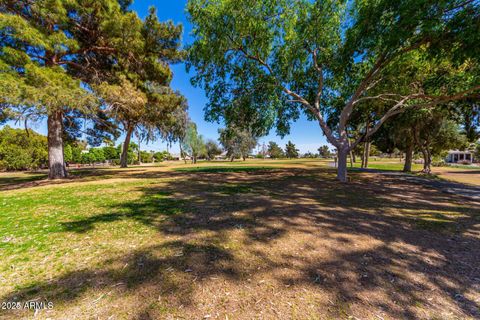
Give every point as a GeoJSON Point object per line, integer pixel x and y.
{"type": "Point", "coordinates": [305, 134]}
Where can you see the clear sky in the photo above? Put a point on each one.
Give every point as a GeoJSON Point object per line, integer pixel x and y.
{"type": "Point", "coordinates": [305, 134]}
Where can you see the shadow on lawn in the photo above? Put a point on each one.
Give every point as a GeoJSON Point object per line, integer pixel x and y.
{"type": "Point", "coordinates": [77, 175]}
{"type": "Point", "coordinates": [465, 171]}
{"type": "Point", "coordinates": [24, 179]}
{"type": "Point", "coordinates": [423, 258]}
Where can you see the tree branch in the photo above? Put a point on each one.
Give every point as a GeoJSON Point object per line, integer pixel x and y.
{"type": "Point", "coordinates": [402, 105]}
{"type": "Point", "coordinates": [320, 80]}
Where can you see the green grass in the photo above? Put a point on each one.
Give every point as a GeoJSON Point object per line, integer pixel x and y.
{"type": "Point", "coordinates": [68, 219]}
{"type": "Point", "coordinates": [387, 166]}
{"type": "Point", "coordinates": [145, 227]}
{"type": "Point", "coordinates": [7, 179]}
{"type": "Point", "coordinates": [219, 169]}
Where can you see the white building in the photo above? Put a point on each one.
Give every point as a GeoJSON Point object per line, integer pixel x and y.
{"type": "Point", "coordinates": [457, 156]}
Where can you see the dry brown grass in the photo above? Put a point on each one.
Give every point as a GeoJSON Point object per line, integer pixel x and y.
{"type": "Point", "coordinates": [468, 176]}
{"type": "Point", "coordinates": [282, 243]}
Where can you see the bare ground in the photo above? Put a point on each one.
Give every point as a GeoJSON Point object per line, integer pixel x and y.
{"type": "Point", "coordinates": [278, 244]}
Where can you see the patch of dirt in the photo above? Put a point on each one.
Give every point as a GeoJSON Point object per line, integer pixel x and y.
{"type": "Point", "coordinates": [284, 244]}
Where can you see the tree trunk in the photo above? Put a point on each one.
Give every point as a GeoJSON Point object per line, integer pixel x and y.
{"type": "Point", "coordinates": [56, 163]}
{"type": "Point", "coordinates": [367, 155]}
{"type": "Point", "coordinates": [182, 154]}
{"type": "Point", "coordinates": [366, 147]}
{"type": "Point", "coordinates": [139, 152]}
{"type": "Point", "coordinates": [342, 164]}
{"type": "Point", "coordinates": [407, 167]}
{"type": "Point", "coordinates": [126, 144]}
{"type": "Point", "coordinates": [232, 158]}
{"type": "Point", "coordinates": [427, 161]}
{"type": "Point", "coordinates": [364, 154]}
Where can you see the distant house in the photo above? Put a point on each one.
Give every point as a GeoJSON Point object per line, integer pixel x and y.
{"type": "Point", "coordinates": [221, 156]}
{"type": "Point", "coordinates": [457, 156]}
{"type": "Point", "coordinates": [177, 157]}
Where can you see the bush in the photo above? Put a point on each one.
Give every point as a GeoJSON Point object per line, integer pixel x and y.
{"type": "Point", "coordinates": [146, 157]}
{"type": "Point", "coordinates": [439, 163]}
{"type": "Point", "coordinates": [20, 150]}
{"type": "Point", "coordinates": [162, 156]}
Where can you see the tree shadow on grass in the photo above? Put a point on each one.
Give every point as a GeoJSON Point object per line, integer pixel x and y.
{"type": "Point", "coordinates": [163, 270]}
{"type": "Point", "coordinates": [27, 178]}
{"type": "Point", "coordinates": [78, 175]}
{"type": "Point", "coordinates": [376, 245]}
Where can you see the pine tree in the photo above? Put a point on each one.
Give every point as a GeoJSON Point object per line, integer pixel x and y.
{"type": "Point", "coordinates": [290, 150]}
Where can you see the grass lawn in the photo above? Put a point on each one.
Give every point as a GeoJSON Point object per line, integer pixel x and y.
{"type": "Point", "coordinates": [462, 174]}
{"type": "Point", "coordinates": [387, 164]}
{"type": "Point", "coordinates": [257, 239]}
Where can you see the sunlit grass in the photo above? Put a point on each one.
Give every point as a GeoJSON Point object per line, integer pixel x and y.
{"type": "Point", "coordinates": [92, 222]}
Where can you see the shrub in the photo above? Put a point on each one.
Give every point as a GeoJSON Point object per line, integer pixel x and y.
{"type": "Point", "coordinates": [440, 163]}
{"type": "Point", "coordinates": [20, 150]}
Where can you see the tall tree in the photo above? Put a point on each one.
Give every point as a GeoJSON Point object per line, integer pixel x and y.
{"type": "Point", "coordinates": [237, 141]}
{"type": "Point", "coordinates": [212, 149]}
{"type": "Point", "coordinates": [434, 133]}
{"type": "Point", "coordinates": [137, 94]}
{"type": "Point", "coordinates": [39, 43]}
{"type": "Point", "coordinates": [275, 151]}
{"type": "Point", "coordinates": [127, 105]}
{"type": "Point", "coordinates": [193, 144]}
{"type": "Point", "coordinates": [49, 46]}
{"type": "Point", "coordinates": [291, 151]}
{"type": "Point", "coordinates": [277, 58]}
{"type": "Point", "coordinates": [324, 151]}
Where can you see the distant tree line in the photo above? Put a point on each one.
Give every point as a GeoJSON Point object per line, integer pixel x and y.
{"type": "Point", "coordinates": [97, 61]}
{"type": "Point", "coordinates": [27, 150]}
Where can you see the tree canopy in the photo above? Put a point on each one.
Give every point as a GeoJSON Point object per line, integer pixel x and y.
{"type": "Point", "coordinates": [237, 141]}
{"type": "Point", "coordinates": [55, 55]}
{"type": "Point", "coordinates": [193, 144]}
{"type": "Point", "coordinates": [22, 150]}
{"type": "Point", "coordinates": [275, 151]}
{"type": "Point", "coordinates": [290, 150]}
{"type": "Point", "coordinates": [265, 62]}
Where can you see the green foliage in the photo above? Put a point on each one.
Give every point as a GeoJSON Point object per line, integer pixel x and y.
{"type": "Point", "coordinates": [212, 149]}
{"type": "Point", "coordinates": [20, 150]}
{"type": "Point", "coordinates": [88, 158]}
{"type": "Point", "coordinates": [132, 152]}
{"type": "Point", "coordinates": [340, 62]}
{"type": "Point", "coordinates": [111, 153]}
{"type": "Point", "coordinates": [162, 156]}
{"type": "Point", "coordinates": [434, 133]}
{"type": "Point", "coordinates": [324, 152]}
{"type": "Point", "coordinates": [68, 153]}
{"type": "Point", "coordinates": [193, 144]}
{"type": "Point", "coordinates": [275, 151]}
{"type": "Point", "coordinates": [470, 114]}
{"type": "Point", "coordinates": [146, 157]}
{"type": "Point", "coordinates": [77, 154]}
{"type": "Point", "coordinates": [98, 154]}
{"type": "Point", "coordinates": [238, 142]}
{"type": "Point", "coordinates": [477, 151]}
{"type": "Point", "coordinates": [309, 155]}
{"type": "Point", "coordinates": [290, 150]}
{"type": "Point", "coordinates": [53, 53]}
